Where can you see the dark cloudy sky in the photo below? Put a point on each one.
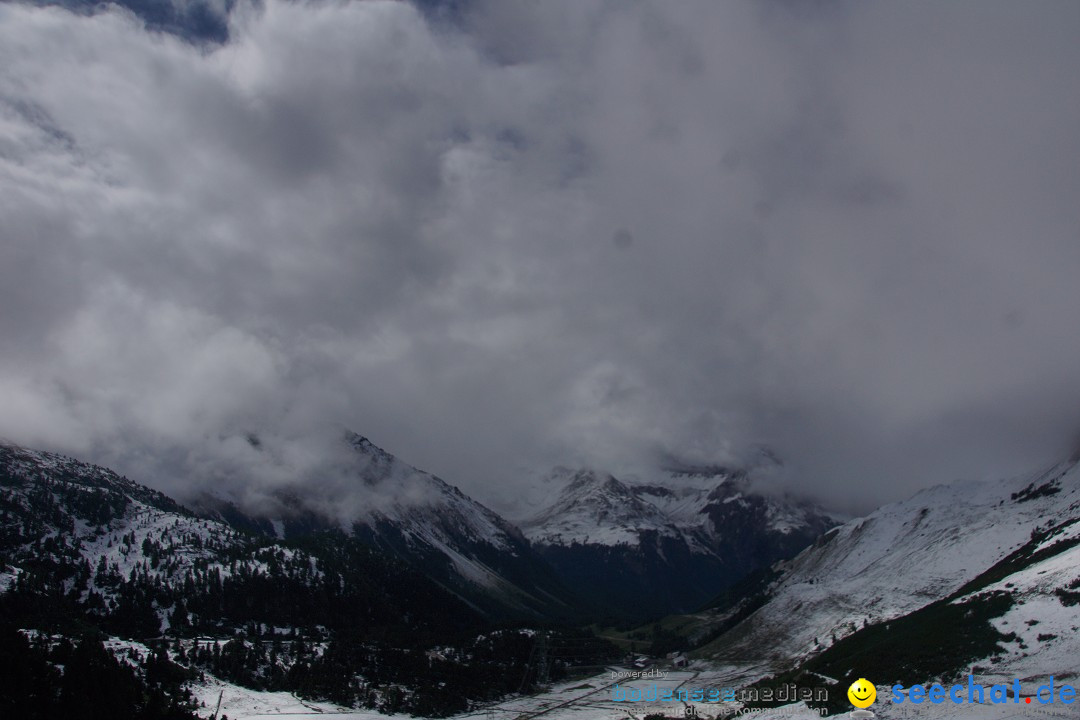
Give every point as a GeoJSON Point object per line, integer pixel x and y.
{"type": "Point", "coordinates": [513, 234]}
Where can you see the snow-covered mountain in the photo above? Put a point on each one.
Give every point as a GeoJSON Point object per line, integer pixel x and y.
{"type": "Point", "coordinates": [128, 555]}
{"type": "Point", "coordinates": [451, 537]}
{"type": "Point", "coordinates": [86, 554]}
{"type": "Point", "coordinates": [413, 515]}
{"type": "Point", "coordinates": [983, 576]}
{"type": "Point", "coordinates": [596, 508]}
{"type": "Point", "coordinates": [669, 543]}
{"type": "Point", "coordinates": [382, 502]}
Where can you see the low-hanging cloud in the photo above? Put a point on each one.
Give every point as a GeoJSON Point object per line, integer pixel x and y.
{"type": "Point", "coordinates": [531, 234]}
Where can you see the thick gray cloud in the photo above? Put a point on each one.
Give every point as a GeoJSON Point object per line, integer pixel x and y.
{"type": "Point", "coordinates": [560, 232]}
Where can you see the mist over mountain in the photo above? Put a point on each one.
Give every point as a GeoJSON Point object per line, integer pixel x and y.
{"type": "Point", "coordinates": [362, 616]}
{"type": "Point", "coordinates": [593, 546]}
{"type": "Point", "coordinates": [362, 490]}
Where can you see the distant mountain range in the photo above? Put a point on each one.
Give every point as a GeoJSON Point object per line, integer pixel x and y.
{"type": "Point", "coordinates": [651, 548]}
{"type": "Point", "coordinates": [601, 548]}
{"type": "Point", "coordinates": [359, 597]}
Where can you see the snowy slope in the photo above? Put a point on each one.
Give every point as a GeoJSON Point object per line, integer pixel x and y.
{"type": "Point", "coordinates": [380, 500]}
{"type": "Point", "coordinates": [427, 506]}
{"type": "Point", "coordinates": [433, 526]}
{"type": "Point", "coordinates": [110, 521]}
{"type": "Point", "coordinates": [594, 507]}
{"type": "Point", "coordinates": [899, 559]}
{"type": "Point", "coordinates": [1043, 623]}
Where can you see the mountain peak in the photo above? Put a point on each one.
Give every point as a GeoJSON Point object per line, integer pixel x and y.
{"type": "Point", "coordinates": [365, 447]}
{"type": "Point", "coordinates": [588, 481]}
{"type": "Point", "coordinates": [595, 507]}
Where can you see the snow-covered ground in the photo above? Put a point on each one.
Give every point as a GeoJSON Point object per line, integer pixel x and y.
{"type": "Point", "coordinates": [591, 699]}
{"type": "Point", "coordinates": [1047, 639]}
{"type": "Point", "coordinates": [580, 699]}
{"type": "Point", "coordinates": [8, 576]}
{"type": "Point", "coordinates": [239, 703]}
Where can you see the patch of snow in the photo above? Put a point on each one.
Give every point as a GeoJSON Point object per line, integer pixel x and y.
{"type": "Point", "coordinates": [8, 576]}
{"type": "Point", "coordinates": [241, 703]}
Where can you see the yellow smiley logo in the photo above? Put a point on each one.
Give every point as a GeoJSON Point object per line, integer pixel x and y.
{"type": "Point", "coordinates": [862, 693]}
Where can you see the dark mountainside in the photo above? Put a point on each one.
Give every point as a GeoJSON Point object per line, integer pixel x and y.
{"type": "Point", "coordinates": [86, 554]}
